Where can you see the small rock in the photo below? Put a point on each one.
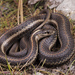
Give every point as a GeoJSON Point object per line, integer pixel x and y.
{"type": "Point", "coordinates": [72, 16]}
{"type": "Point", "coordinates": [30, 2]}
{"type": "Point", "coordinates": [38, 73]}
{"type": "Point", "coordinates": [72, 68]}
{"type": "Point", "coordinates": [54, 3]}
{"type": "Point", "coordinates": [64, 67]}
{"type": "Point", "coordinates": [68, 8]}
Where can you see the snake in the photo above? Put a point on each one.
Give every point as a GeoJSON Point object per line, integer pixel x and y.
{"type": "Point", "coordinates": [36, 36]}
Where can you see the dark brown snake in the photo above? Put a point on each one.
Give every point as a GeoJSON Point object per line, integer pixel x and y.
{"type": "Point", "coordinates": [34, 29]}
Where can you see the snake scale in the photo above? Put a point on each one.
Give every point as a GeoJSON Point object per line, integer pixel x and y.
{"type": "Point", "coordinates": [35, 37]}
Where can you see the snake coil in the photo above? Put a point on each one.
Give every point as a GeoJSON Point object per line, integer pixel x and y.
{"type": "Point", "coordinates": [20, 44]}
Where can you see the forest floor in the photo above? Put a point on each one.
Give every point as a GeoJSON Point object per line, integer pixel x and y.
{"type": "Point", "coordinates": [9, 19]}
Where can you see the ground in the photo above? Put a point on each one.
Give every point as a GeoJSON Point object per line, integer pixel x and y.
{"type": "Point", "coordinates": [8, 19]}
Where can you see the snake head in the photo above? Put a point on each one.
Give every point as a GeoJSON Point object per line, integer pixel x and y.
{"type": "Point", "coordinates": [43, 34]}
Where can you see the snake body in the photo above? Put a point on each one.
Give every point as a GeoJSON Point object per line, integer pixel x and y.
{"type": "Point", "coordinates": [67, 43]}
{"type": "Point", "coordinates": [26, 30]}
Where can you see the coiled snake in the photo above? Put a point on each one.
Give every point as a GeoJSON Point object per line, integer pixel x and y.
{"type": "Point", "coordinates": [25, 38]}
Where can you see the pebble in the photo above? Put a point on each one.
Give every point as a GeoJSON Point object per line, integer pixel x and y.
{"type": "Point", "coordinates": [68, 8]}
{"type": "Point", "coordinates": [38, 73]}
